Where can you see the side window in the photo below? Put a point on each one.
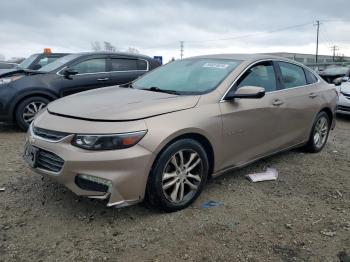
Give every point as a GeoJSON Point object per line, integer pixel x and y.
{"type": "Point", "coordinates": [310, 77]}
{"type": "Point", "coordinates": [262, 75]}
{"type": "Point", "coordinates": [46, 60]}
{"type": "Point", "coordinates": [122, 64]}
{"type": "Point", "coordinates": [90, 66]}
{"type": "Point", "coordinates": [141, 65]}
{"type": "Point", "coordinates": [292, 75]}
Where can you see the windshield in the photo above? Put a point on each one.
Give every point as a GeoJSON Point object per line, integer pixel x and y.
{"type": "Point", "coordinates": [27, 62]}
{"type": "Point", "coordinates": [58, 63]}
{"type": "Point", "coordinates": [188, 76]}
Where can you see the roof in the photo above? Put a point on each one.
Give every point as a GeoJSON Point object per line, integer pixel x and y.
{"type": "Point", "coordinates": [113, 53]}
{"type": "Point", "coordinates": [243, 57]}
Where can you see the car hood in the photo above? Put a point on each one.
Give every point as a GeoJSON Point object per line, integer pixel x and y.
{"type": "Point", "coordinates": [119, 104]}
{"type": "Point", "coordinates": [345, 87]}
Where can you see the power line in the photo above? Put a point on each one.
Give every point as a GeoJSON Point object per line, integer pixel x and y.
{"type": "Point", "coordinates": [250, 35]}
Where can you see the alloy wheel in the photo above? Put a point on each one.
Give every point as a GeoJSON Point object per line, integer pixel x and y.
{"type": "Point", "coordinates": [182, 176]}
{"type": "Point", "coordinates": [321, 132]}
{"type": "Point", "coordinates": [31, 110]}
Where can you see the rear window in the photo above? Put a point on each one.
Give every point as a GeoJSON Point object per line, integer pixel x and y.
{"type": "Point", "coordinates": [119, 64]}
{"type": "Point", "coordinates": [292, 75]}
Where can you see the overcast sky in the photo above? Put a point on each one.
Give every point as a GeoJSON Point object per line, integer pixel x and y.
{"type": "Point", "coordinates": [155, 27]}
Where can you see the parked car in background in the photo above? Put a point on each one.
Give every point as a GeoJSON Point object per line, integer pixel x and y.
{"type": "Point", "coordinates": [34, 62]}
{"type": "Point", "coordinates": [24, 93]}
{"type": "Point", "coordinates": [343, 85]}
{"type": "Point", "coordinates": [179, 125]}
{"type": "Point", "coordinates": [331, 73]}
{"type": "Point", "coordinates": [7, 65]}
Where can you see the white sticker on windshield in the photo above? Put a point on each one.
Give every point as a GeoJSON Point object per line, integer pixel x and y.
{"type": "Point", "coordinates": [214, 65]}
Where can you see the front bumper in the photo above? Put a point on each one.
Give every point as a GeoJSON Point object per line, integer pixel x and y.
{"type": "Point", "coordinates": [126, 170]}
{"type": "Point", "coordinates": [343, 106]}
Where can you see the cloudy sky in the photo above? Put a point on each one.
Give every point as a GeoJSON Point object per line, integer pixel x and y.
{"type": "Point", "coordinates": [156, 27]}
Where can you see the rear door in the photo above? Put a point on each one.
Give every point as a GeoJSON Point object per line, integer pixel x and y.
{"type": "Point", "coordinates": [92, 73]}
{"type": "Point", "coordinates": [251, 127]}
{"type": "Point", "coordinates": [126, 69]}
{"type": "Point", "coordinates": [301, 101]}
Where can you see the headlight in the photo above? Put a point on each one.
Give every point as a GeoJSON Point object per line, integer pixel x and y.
{"type": "Point", "coordinates": [7, 80]}
{"type": "Point", "coordinates": [108, 142]}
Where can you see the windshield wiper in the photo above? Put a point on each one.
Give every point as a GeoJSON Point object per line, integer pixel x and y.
{"type": "Point", "coordinates": [157, 89]}
{"type": "Point", "coordinates": [126, 85]}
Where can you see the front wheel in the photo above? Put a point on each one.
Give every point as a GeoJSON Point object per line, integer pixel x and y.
{"type": "Point", "coordinates": [27, 110]}
{"type": "Point", "coordinates": [178, 176]}
{"type": "Point", "coordinates": [319, 133]}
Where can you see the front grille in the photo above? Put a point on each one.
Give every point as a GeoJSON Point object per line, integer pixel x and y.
{"type": "Point", "coordinates": [49, 134]}
{"type": "Point", "coordinates": [343, 108]}
{"type": "Point", "coordinates": [49, 161]}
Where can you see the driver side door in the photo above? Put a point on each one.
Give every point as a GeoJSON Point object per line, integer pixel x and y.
{"type": "Point", "coordinates": [251, 126]}
{"type": "Point", "coordinates": [92, 73]}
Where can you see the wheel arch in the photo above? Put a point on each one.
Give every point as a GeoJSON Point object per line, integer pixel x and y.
{"type": "Point", "coordinates": [198, 137]}
{"type": "Point", "coordinates": [48, 95]}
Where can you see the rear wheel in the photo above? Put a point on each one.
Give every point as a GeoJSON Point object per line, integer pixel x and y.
{"type": "Point", "coordinates": [178, 176]}
{"type": "Point", "coordinates": [319, 133]}
{"type": "Point", "coordinates": [27, 110]}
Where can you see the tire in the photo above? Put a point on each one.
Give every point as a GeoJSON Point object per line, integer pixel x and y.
{"type": "Point", "coordinates": [315, 145]}
{"type": "Point", "coordinates": [27, 109]}
{"type": "Point", "coordinates": [189, 178]}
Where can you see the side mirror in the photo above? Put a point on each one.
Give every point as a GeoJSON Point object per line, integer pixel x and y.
{"type": "Point", "coordinates": [68, 72]}
{"type": "Point", "coordinates": [340, 80]}
{"type": "Point", "coordinates": [252, 92]}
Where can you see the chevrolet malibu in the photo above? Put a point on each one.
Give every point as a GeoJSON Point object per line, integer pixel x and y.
{"type": "Point", "coordinates": [162, 137]}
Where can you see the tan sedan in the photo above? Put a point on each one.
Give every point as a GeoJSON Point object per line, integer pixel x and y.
{"type": "Point", "coordinates": [160, 138]}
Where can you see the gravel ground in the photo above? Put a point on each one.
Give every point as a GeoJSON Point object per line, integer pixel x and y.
{"type": "Point", "coordinates": [303, 216]}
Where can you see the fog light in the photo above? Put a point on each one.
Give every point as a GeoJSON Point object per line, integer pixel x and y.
{"type": "Point", "coordinates": [105, 185]}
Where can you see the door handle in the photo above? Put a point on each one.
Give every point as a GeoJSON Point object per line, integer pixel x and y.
{"type": "Point", "coordinates": [312, 95]}
{"type": "Point", "coordinates": [102, 79]}
{"type": "Point", "coordinates": [277, 102]}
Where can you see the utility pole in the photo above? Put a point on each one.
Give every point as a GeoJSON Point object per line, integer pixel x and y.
{"type": "Point", "coordinates": [334, 48]}
{"type": "Point", "coordinates": [318, 31]}
{"type": "Point", "coordinates": [181, 49]}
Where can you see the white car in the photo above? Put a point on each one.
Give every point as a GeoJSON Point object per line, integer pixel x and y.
{"type": "Point", "coordinates": [344, 98]}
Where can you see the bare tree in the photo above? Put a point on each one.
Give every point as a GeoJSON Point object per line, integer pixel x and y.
{"type": "Point", "coordinates": [133, 50]}
{"type": "Point", "coordinates": [109, 47]}
{"type": "Point", "coordinates": [96, 46]}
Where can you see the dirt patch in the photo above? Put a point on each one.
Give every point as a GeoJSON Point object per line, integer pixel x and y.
{"type": "Point", "coordinates": [302, 216]}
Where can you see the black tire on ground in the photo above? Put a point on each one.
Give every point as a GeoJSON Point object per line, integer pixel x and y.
{"type": "Point", "coordinates": [20, 109]}
{"type": "Point", "coordinates": [311, 145]}
{"type": "Point", "coordinates": [159, 197]}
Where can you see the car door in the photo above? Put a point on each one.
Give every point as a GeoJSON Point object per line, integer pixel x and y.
{"type": "Point", "coordinates": [91, 73]}
{"type": "Point", "coordinates": [126, 69]}
{"type": "Point", "coordinates": [251, 127]}
{"type": "Point", "coordinates": [301, 101]}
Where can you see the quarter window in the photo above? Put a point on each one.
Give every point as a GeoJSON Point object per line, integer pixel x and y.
{"type": "Point", "coordinates": [262, 75]}
{"type": "Point", "coordinates": [310, 77]}
{"type": "Point", "coordinates": [292, 75]}
{"type": "Point", "coordinates": [119, 64]}
{"type": "Point", "coordinates": [90, 66]}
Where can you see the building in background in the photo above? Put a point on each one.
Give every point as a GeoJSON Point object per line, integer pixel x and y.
{"type": "Point", "coordinates": [310, 59]}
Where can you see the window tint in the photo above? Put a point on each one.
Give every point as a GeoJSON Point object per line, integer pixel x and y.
{"type": "Point", "coordinates": [120, 64]}
{"type": "Point", "coordinates": [46, 60]}
{"type": "Point", "coordinates": [90, 66]}
{"type": "Point", "coordinates": [310, 77]}
{"type": "Point", "coordinates": [262, 75]}
{"type": "Point", "coordinates": [141, 65]}
{"type": "Point", "coordinates": [292, 75]}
